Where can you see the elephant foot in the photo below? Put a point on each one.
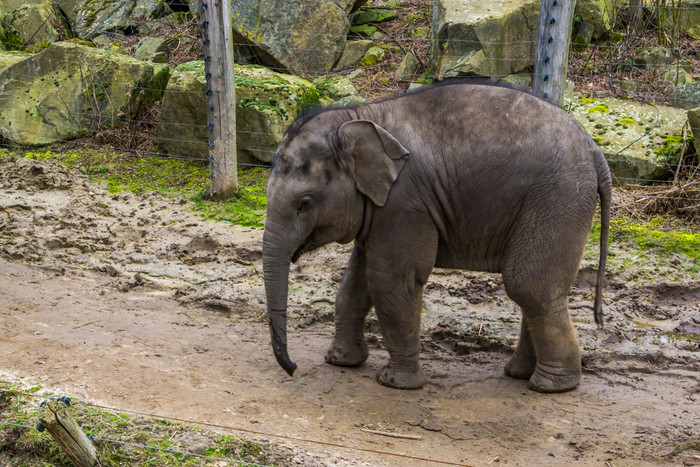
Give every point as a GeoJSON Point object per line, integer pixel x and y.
{"type": "Point", "coordinates": [552, 379]}
{"type": "Point", "coordinates": [520, 366]}
{"type": "Point", "coordinates": [354, 354]}
{"type": "Point", "coordinates": [401, 379]}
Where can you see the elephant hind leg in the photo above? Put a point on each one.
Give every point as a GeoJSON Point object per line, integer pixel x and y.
{"type": "Point", "coordinates": [539, 282]}
{"type": "Point", "coordinates": [522, 363]}
{"type": "Point", "coordinates": [548, 352]}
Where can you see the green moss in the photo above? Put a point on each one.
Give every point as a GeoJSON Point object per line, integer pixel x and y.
{"type": "Point", "coordinates": [270, 106]}
{"type": "Point", "coordinates": [602, 108]}
{"type": "Point", "coordinates": [648, 237]}
{"type": "Point", "coordinates": [247, 208]}
{"type": "Point", "coordinates": [579, 43]}
{"type": "Point", "coordinates": [181, 178]}
{"type": "Point", "coordinates": [626, 121]}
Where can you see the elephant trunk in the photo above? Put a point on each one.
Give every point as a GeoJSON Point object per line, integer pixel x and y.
{"type": "Point", "coordinates": [276, 272]}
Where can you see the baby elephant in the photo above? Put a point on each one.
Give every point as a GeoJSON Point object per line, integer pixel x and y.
{"type": "Point", "coordinates": [457, 175]}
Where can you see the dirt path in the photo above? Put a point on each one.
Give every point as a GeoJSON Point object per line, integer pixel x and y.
{"type": "Point", "coordinates": [133, 302]}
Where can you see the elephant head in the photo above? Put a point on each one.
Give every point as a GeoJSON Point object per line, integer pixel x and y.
{"type": "Point", "coordinates": [326, 169]}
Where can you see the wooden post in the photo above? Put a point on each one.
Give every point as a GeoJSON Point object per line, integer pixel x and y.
{"type": "Point", "coordinates": [221, 101]}
{"type": "Point", "coordinates": [54, 417]}
{"type": "Point", "coordinates": [556, 18]}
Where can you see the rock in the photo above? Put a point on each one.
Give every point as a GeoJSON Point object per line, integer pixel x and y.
{"type": "Point", "coordinates": [102, 41]}
{"type": "Point", "coordinates": [481, 37]}
{"type": "Point", "coordinates": [615, 123]}
{"type": "Point", "coordinates": [586, 30]}
{"type": "Point", "coordinates": [10, 58]}
{"type": "Point", "coordinates": [153, 49]}
{"type": "Point", "coordinates": [96, 17]}
{"type": "Point", "coordinates": [373, 16]}
{"type": "Point", "coordinates": [148, 9]}
{"type": "Point", "coordinates": [675, 75]}
{"type": "Point", "coordinates": [375, 54]}
{"type": "Point", "coordinates": [70, 9]}
{"type": "Point", "coordinates": [652, 57]}
{"type": "Point", "coordinates": [694, 122]}
{"type": "Point", "coordinates": [353, 53]}
{"type": "Point", "coordinates": [44, 99]}
{"type": "Point", "coordinates": [335, 87]}
{"type": "Point", "coordinates": [266, 103]}
{"type": "Point", "coordinates": [9, 5]}
{"type": "Point", "coordinates": [519, 81]}
{"type": "Point", "coordinates": [599, 14]}
{"type": "Point", "coordinates": [30, 25]}
{"type": "Point", "coordinates": [407, 69]}
{"type": "Point", "coordinates": [686, 96]}
{"type": "Point", "coordinates": [298, 36]}
{"type": "Point", "coordinates": [363, 30]}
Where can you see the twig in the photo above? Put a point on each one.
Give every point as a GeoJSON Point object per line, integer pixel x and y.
{"type": "Point", "coordinates": [390, 434]}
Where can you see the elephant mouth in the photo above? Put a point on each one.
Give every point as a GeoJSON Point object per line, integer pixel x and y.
{"type": "Point", "coordinates": [305, 247]}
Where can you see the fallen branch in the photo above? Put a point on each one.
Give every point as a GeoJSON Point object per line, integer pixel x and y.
{"type": "Point", "coordinates": [390, 434]}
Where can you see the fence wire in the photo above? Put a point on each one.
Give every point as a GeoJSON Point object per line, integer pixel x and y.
{"type": "Point", "coordinates": [138, 134]}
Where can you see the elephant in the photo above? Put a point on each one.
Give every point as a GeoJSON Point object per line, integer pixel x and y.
{"type": "Point", "coordinates": [455, 175]}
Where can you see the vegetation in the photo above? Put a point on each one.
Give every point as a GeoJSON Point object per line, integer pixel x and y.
{"type": "Point", "coordinates": [120, 438]}
{"type": "Point", "coordinates": [174, 177]}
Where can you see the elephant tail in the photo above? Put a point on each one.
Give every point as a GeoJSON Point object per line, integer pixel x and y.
{"type": "Point", "coordinates": [605, 193]}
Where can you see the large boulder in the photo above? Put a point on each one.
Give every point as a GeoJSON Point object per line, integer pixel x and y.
{"type": "Point", "coordinates": [615, 124]}
{"type": "Point", "coordinates": [484, 38]}
{"type": "Point", "coordinates": [304, 37]}
{"type": "Point", "coordinates": [266, 103]}
{"type": "Point", "coordinates": [95, 17]}
{"type": "Point", "coordinates": [599, 14]}
{"type": "Point", "coordinates": [686, 96]}
{"type": "Point", "coordinates": [66, 90]}
{"type": "Point", "coordinates": [29, 26]}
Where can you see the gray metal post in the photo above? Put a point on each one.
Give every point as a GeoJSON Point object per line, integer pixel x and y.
{"type": "Point", "coordinates": [556, 17]}
{"type": "Point", "coordinates": [221, 102]}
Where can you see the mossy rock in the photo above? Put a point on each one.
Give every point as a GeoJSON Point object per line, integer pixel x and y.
{"type": "Point", "coordinates": [615, 123]}
{"type": "Point", "coordinates": [266, 103]}
{"type": "Point", "coordinates": [353, 53]}
{"type": "Point", "coordinates": [65, 91]}
{"type": "Point", "coordinates": [30, 27]}
{"type": "Point", "coordinates": [373, 16]}
{"type": "Point", "coordinates": [375, 55]}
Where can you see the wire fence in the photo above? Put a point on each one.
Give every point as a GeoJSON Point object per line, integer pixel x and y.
{"type": "Point", "coordinates": [138, 129]}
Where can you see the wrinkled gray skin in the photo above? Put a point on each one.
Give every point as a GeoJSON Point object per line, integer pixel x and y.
{"type": "Point", "coordinates": [456, 176]}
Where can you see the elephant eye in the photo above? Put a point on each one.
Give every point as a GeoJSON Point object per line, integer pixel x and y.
{"type": "Point", "coordinates": [304, 203]}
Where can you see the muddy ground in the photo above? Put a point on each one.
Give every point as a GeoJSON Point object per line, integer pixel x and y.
{"type": "Point", "coordinates": [134, 302]}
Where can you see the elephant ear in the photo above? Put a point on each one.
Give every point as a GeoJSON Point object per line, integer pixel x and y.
{"type": "Point", "coordinates": [376, 157]}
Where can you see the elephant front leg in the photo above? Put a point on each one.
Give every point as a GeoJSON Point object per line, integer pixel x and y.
{"type": "Point", "coordinates": [398, 308]}
{"type": "Point", "coordinates": [351, 307]}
